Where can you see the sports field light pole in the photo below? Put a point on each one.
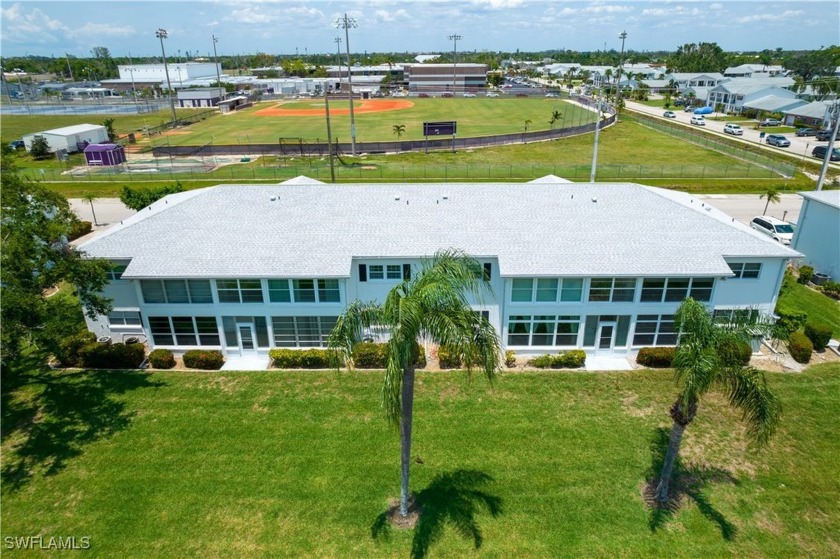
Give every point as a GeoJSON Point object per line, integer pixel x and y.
{"type": "Point", "coordinates": [454, 39]}
{"type": "Point", "coordinates": [622, 36]}
{"type": "Point", "coordinates": [162, 34]}
{"type": "Point", "coordinates": [338, 57]}
{"type": "Point", "coordinates": [346, 23]}
{"type": "Point", "coordinates": [597, 131]}
{"type": "Point", "coordinates": [218, 77]}
{"type": "Point", "coordinates": [133, 87]}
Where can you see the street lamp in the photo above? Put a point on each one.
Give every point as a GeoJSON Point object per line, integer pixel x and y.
{"type": "Point", "coordinates": [622, 36]}
{"type": "Point", "coordinates": [346, 23]}
{"type": "Point", "coordinates": [216, 62]}
{"type": "Point", "coordinates": [162, 34]}
{"type": "Point", "coordinates": [454, 39]}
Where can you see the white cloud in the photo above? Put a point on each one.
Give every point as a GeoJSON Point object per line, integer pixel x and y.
{"type": "Point", "coordinates": [386, 16]}
{"type": "Point", "coordinates": [787, 14]}
{"type": "Point", "coordinates": [101, 29]}
{"type": "Point", "coordinates": [37, 26]}
{"type": "Point", "coordinates": [498, 4]}
{"type": "Point", "coordinates": [251, 14]}
{"type": "Point", "coordinates": [607, 9]}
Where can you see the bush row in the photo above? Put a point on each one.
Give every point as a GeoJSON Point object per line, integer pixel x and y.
{"type": "Point", "coordinates": [573, 359]}
{"type": "Point", "coordinates": [819, 334]}
{"type": "Point", "coordinates": [656, 357]}
{"type": "Point", "coordinates": [161, 359]}
{"type": "Point", "coordinates": [112, 356]}
{"type": "Point", "coordinates": [301, 358]}
{"type": "Point", "coordinates": [370, 355]}
{"type": "Point", "coordinates": [800, 347]}
{"type": "Point", "coordinates": [206, 359]}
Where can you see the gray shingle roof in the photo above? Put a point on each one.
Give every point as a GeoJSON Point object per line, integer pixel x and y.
{"type": "Point", "coordinates": [827, 197]}
{"type": "Point", "coordinates": [534, 229]}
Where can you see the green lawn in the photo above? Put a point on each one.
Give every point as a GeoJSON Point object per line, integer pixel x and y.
{"type": "Point", "coordinates": [817, 306]}
{"type": "Point", "coordinates": [278, 464]}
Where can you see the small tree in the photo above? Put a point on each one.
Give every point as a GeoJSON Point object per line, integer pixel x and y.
{"type": "Point", "coordinates": [90, 198]}
{"type": "Point", "coordinates": [399, 130]}
{"type": "Point", "coordinates": [40, 148]}
{"type": "Point", "coordinates": [108, 123]}
{"type": "Point", "coordinates": [772, 196]}
{"type": "Point", "coordinates": [556, 116]}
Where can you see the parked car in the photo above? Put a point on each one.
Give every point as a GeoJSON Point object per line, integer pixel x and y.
{"type": "Point", "coordinates": [16, 145]}
{"type": "Point", "coordinates": [819, 152]}
{"type": "Point", "coordinates": [698, 120]}
{"type": "Point", "coordinates": [679, 102]}
{"type": "Point", "coordinates": [733, 129]}
{"type": "Point", "coordinates": [551, 95]}
{"type": "Point", "coordinates": [805, 132]}
{"type": "Point", "coordinates": [777, 140]}
{"type": "Point", "coordinates": [447, 94]}
{"type": "Point", "coordinates": [688, 109]}
{"type": "Point", "coordinates": [492, 94]}
{"type": "Point", "coordinates": [424, 96]}
{"type": "Point", "coordinates": [468, 94]}
{"type": "Point", "coordinates": [779, 230]}
{"type": "Point", "coordinates": [823, 135]}
{"type": "Point", "coordinates": [669, 114]}
{"type": "Point", "coordinates": [770, 122]}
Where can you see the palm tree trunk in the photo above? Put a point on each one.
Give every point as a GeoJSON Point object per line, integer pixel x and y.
{"type": "Point", "coordinates": [682, 416]}
{"type": "Point", "coordinates": [94, 214]}
{"type": "Point", "coordinates": [766, 206]}
{"type": "Point", "coordinates": [405, 436]}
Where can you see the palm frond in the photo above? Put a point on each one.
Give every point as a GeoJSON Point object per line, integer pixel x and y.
{"type": "Point", "coordinates": [747, 390]}
{"type": "Point", "coordinates": [349, 327]}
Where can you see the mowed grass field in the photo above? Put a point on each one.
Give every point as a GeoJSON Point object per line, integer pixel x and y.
{"type": "Point", "coordinates": [277, 464]}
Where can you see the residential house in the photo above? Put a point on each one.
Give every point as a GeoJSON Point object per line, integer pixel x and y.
{"type": "Point", "coordinates": [817, 233]}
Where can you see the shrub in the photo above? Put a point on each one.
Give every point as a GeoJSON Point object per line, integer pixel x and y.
{"type": "Point", "coordinates": [301, 358]}
{"type": "Point", "coordinates": [832, 289]}
{"type": "Point", "coordinates": [370, 355]}
{"type": "Point", "coordinates": [161, 359]}
{"type": "Point", "coordinates": [510, 359]}
{"type": "Point", "coordinates": [805, 274]}
{"type": "Point", "coordinates": [735, 352]}
{"type": "Point", "coordinates": [448, 358]}
{"type": "Point", "coordinates": [800, 347]}
{"type": "Point", "coordinates": [79, 229]}
{"type": "Point", "coordinates": [789, 322]}
{"type": "Point", "coordinates": [112, 356]}
{"type": "Point", "coordinates": [209, 360]}
{"type": "Point", "coordinates": [656, 357]}
{"type": "Point", "coordinates": [573, 359]}
{"type": "Point", "coordinates": [69, 349]}
{"type": "Point", "coordinates": [819, 334]}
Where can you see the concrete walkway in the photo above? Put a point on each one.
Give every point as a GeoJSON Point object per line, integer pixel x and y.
{"type": "Point", "coordinates": [598, 363]}
{"type": "Point", "coordinates": [246, 363]}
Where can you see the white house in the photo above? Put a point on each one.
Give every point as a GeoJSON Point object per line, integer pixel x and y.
{"type": "Point", "coordinates": [817, 233]}
{"type": "Point", "coordinates": [601, 267]}
{"type": "Point", "coordinates": [754, 70]}
{"type": "Point", "coordinates": [70, 138]}
{"type": "Point", "coordinates": [734, 94]}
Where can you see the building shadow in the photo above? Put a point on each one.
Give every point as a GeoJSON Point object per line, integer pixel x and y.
{"type": "Point", "coordinates": [49, 416]}
{"type": "Point", "coordinates": [687, 483]}
{"type": "Point", "coordinates": [451, 499]}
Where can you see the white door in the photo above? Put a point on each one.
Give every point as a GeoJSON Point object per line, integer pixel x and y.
{"type": "Point", "coordinates": [247, 342]}
{"type": "Point", "coordinates": [606, 338]}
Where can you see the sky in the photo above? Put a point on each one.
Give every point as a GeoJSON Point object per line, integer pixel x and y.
{"type": "Point", "coordinates": [303, 27]}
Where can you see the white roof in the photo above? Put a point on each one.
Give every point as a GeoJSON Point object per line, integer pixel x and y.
{"type": "Point", "coordinates": [536, 229]}
{"type": "Point", "coordinates": [75, 129]}
{"type": "Point", "coordinates": [827, 197]}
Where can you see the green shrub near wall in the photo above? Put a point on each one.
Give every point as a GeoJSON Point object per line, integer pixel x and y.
{"type": "Point", "coordinates": [69, 349]}
{"type": "Point", "coordinates": [370, 355]}
{"type": "Point", "coordinates": [161, 359]}
{"type": "Point", "coordinates": [448, 358]}
{"type": "Point", "coordinates": [205, 359]}
{"type": "Point", "coordinates": [789, 322]}
{"type": "Point", "coordinates": [112, 356]}
{"type": "Point", "coordinates": [805, 274]}
{"type": "Point", "coordinates": [800, 347]}
{"type": "Point", "coordinates": [573, 359]}
{"type": "Point", "coordinates": [819, 334]}
{"type": "Point", "coordinates": [735, 352]}
{"type": "Point", "coordinates": [656, 357]}
{"type": "Point", "coordinates": [301, 358]}
{"type": "Point", "coordinates": [510, 359]}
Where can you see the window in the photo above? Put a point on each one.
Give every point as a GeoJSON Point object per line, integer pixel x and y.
{"type": "Point", "coordinates": [745, 270]}
{"type": "Point", "coordinates": [376, 272]}
{"type": "Point", "coordinates": [653, 329]}
{"type": "Point", "coordinates": [657, 290]}
{"type": "Point", "coordinates": [184, 330]}
{"type": "Point", "coordinates": [736, 316]}
{"type": "Point", "coordinates": [176, 291]}
{"type": "Point", "coordinates": [545, 290]}
{"type": "Point", "coordinates": [328, 291]}
{"type": "Point", "coordinates": [543, 330]}
{"type": "Point", "coordinates": [612, 289]}
{"type": "Point", "coordinates": [278, 291]}
{"type": "Point", "coordinates": [385, 271]}
{"type": "Point", "coordinates": [304, 291]}
{"type": "Point", "coordinates": [124, 318]}
{"type": "Point", "coordinates": [394, 271]}
{"type": "Point", "coordinates": [116, 272]}
{"type": "Point", "coordinates": [239, 291]}
{"type": "Point", "coordinates": [231, 332]}
{"type": "Point", "coordinates": [302, 331]}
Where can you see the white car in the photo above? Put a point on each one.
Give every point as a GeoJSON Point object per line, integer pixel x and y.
{"type": "Point", "coordinates": [777, 229]}
{"type": "Point", "coordinates": [469, 94]}
{"type": "Point", "coordinates": [733, 129]}
{"type": "Point", "coordinates": [698, 120]}
{"type": "Point", "coordinates": [492, 94]}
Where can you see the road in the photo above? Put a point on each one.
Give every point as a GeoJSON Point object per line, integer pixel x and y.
{"type": "Point", "coordinates": [798, 146]}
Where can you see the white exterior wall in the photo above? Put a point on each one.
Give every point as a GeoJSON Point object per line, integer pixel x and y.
{"type": "Point", "coordinates": [68, 141]}
{"type": "Point", "coordinates": [816, 237]}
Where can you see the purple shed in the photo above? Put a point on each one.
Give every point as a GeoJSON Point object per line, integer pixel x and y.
{"type": "Point", "coordinates": [104, 154]}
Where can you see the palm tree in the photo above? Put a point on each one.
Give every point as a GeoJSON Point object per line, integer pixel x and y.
{"type": "Point", "coordinates": [701, 363]}
{"type": "Point", "coordinates": [556, 116]}
{"type": "Point", "coordinates": [772, 196]}
{"type": "Point", "coordinates": [399, 130]}
{"type": "Point", "coordinates": [90, 198]}
{"type": "Point", "coordinates": [433, 304]}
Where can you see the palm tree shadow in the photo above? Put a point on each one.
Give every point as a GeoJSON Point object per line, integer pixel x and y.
{"type": "Point", "coordinates": [59, 414]}
{"type": "Point", "coordinates": [452, 498]}
{"type": "Point", "coordinates": [686, 482]}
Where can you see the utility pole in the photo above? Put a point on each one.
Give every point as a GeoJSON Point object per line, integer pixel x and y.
{"type": "Point", "coordinates": [329, 136]}
{"type": "Point", "coordinates": [162, 34]}
{"type": "Point", "coordinates": [597, 131]}
{"type": "Point", "coordinates": [346, 23]}
{"type": "Point", "coordinates": [338, 57]}
{"type": "Point", "coordinates": [69, 69]}
{"type": "Point", "coordinates": [454, 39]}
{"type": "Point", "coordinates": [622, 36]}
{"type": "Point", "coordinates": [216, 62]}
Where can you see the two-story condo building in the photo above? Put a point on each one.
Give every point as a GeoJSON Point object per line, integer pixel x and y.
{"type": "Point", "coordinates": [601, 267]}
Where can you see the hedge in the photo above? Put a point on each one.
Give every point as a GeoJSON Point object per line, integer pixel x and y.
{"type": "Point", "coordinates": [805, 274]}
{"type": "Point", "coordinates": [301, 358]}
{"type": "Point", "coordinates": [205, 359]}
{"type": "Point", "coordinates": [69, 349]}
{"type": "Point", "coordinates": [370, 355]}
{"type": "Point", "coordinates": [819, 334]}
{"type": "Point", "coordinates": [735, 352]}
{"type": "Point", "coordinates": [789, 322]}
{"type": "Point", "coordinates": [510, 359]}
{"type": "Point", "coordinates": [448, 358]}
{"type": "Point", "coordinates": [112, 356]}
{"type": "Point", "coordinates": [831, 289]}
{"type": "Point", "coordinates": [161, 359]}
{"type": "Point", "coordinates": [656, 357]}
{"type": "Point", "coordinates": [79, 229]}
{"type": "Point", "coordinates": [800, 347]}
{"type": "Point", "coordinates": [573, 359]}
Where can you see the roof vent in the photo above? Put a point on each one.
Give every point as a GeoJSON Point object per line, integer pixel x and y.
{"type": "Point", "coordinates": [396, 196]}
{"type": "Point", "coordinates": [273, 198]}
{"type": "Point", "coordinates": [595, 200]}
{"type": "Point", "coordinates": [445, 196]}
